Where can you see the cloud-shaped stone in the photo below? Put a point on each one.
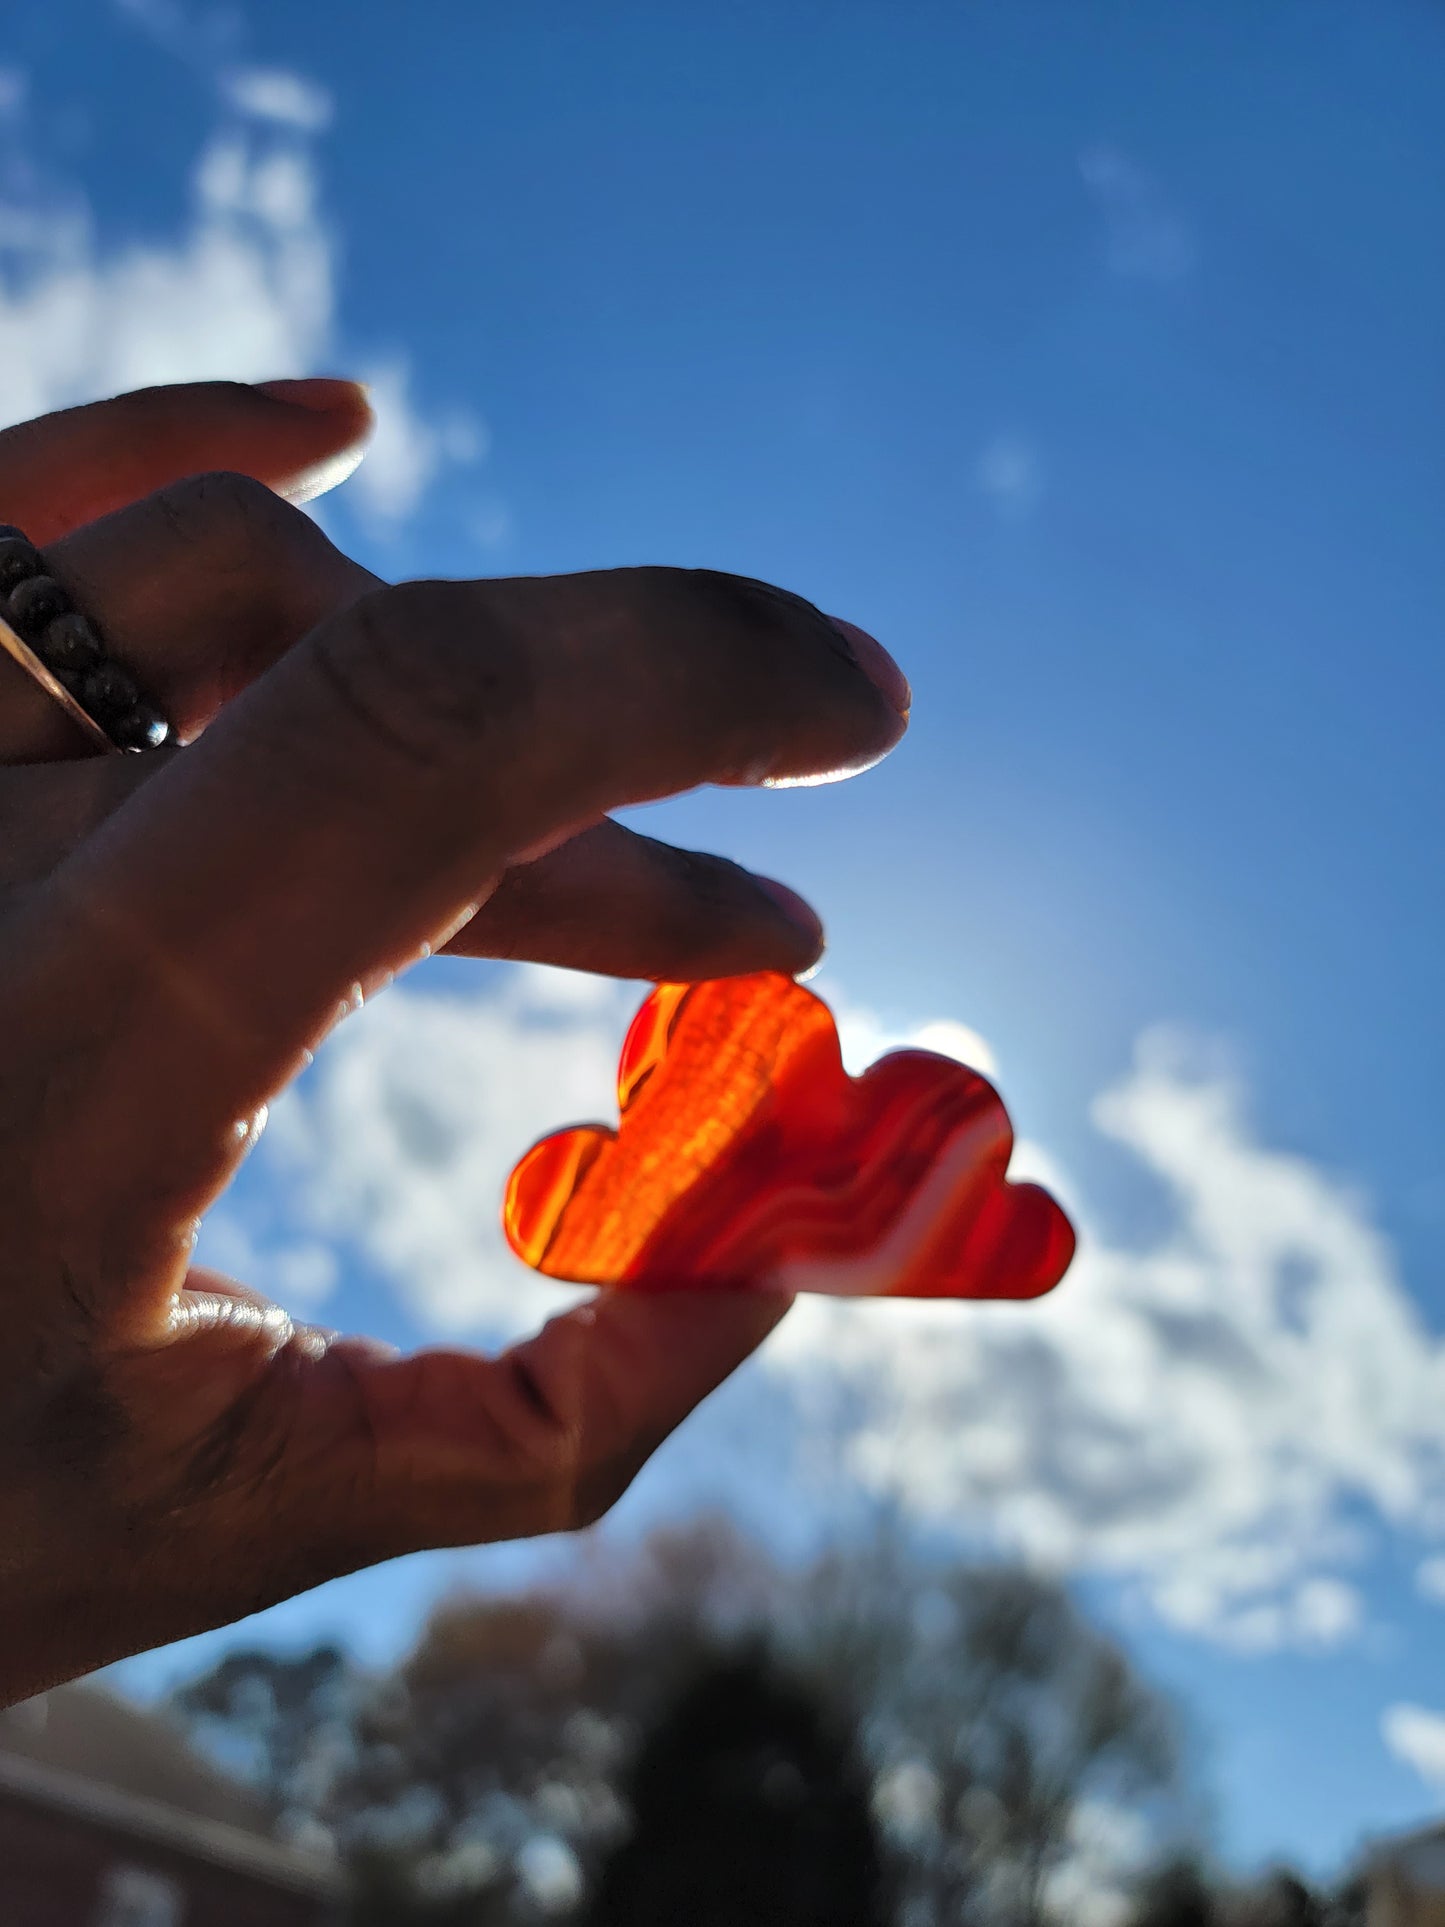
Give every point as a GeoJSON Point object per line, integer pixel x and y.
{"type": "Point", "coordinates": [747, 1158]}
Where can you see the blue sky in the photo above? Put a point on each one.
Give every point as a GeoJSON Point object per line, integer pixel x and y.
{"type": "Point", "coordinates": [1091, 357]}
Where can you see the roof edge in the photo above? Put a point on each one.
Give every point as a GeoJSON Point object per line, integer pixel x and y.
{"type": "Point", "coordinates": [137, 1814]}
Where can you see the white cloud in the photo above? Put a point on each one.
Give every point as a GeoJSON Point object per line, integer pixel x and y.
{"type": "Point", "coordinates": [400, 1140]}
{"type": "Point", "coordinates": [407, 454]}
{"type": "Point", "coordinates": [204, 37]}
{"type": "Point", "coordinates": [1010, 473]}
{"type": "Point", "coordinates": [864, 1036]}
{"type": "Point", "coordinates": [245, 291]}
{"type": "Point", "coordinates": [1417, 1736]}
{"type": "Point", "coordinates": [301, 1273]}
{"type": "Point", "coordinates": [1144, 237]}
{"type": "Point", "coordinates": [402, 1137]}
{"type": "Point", "coordinates": [271, 93]}
{"type": "Point", "coordinates": [1218, 1418]}
{"type": "Point", "coordinates": [1326, 1611]}
{"type": "Point", "coordinates": [1430, 1579]}
{"type": "Point", "coordinates": [1202, 1416]}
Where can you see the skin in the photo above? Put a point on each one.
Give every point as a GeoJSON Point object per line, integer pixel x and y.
{"type": "Point", "coordinates": [369, 774]}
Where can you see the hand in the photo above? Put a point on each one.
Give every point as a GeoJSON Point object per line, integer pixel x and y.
{"type": "Point", "coordinates": [370, 772]}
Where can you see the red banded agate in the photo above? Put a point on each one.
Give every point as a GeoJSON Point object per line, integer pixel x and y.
{"type": "Point", "coordinates": [747, 1159]}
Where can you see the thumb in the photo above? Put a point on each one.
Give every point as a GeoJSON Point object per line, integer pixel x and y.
{"type": "Point", "coordinates": [455, 1448]}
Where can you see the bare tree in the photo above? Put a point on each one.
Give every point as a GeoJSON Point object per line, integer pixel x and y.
{"type": "Point", "coordinates": [993, 1713]}
{"type": "Point", "coordinates": [490, 1769]}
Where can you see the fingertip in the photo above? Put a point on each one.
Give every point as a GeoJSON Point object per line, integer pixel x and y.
{"type": "Point", "coordinates": [805, 926]}
{"type": "Point", "coordinates": [877, 665]}
{"type": "Point", "coordinates": [334, 412]}
{"type": "Point", "coordinates": [322, 395]}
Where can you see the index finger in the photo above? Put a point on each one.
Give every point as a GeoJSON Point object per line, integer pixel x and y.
{"type": "Point", "coordinates": [352, 807]}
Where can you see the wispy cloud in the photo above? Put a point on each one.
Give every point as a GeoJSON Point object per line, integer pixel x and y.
{"type": "Point", "coordinates": [300, 1273]}
{"type": "Point", "coordinates": [246, 290]}
{"type": "Point", "coordinates": [1145, 237]}
{"type": "Point", "coordinates": [273, 93]}
{"type": "Point", "coordinates": [204, 37]}
{"type": "Point", "coordinates": [1416, 1736]}
{"type": "Point", "coordinates": [409, 452]}
{"type": "Point", "coordinates": [399, 1142]}
{"type": "Point", "coordinates": [1209, 1416]}
{"type": "Point", "coordinates": [1221, 1418]}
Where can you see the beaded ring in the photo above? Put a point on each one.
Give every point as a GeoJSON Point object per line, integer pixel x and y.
{"type": "Point", "coordinates": [56, 645]}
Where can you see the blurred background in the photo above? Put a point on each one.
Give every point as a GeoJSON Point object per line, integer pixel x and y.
{"type": "Point", "coordinates": [1091, 356]}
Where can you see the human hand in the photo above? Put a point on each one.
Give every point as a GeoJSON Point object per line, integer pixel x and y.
{"type": "Point", "coordinates": [370, 773]}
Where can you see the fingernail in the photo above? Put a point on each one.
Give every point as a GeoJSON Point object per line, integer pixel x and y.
{"type": "Point", "coordinates": [325, 394]}
{"type": "Point", "coordinates": [876, 663]}
{"type": "Point", "coordinates": [801, 914]}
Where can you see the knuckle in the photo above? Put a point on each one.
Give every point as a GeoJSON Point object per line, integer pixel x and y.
{"type": "Point", "coordinates": [575, 1484]}
{"type": "Point", "coordinates": [541, 1422]}
{"type": "Point", "coordinates": [237, 521]}
{"type": "Point", "coordinates": [426, 671]}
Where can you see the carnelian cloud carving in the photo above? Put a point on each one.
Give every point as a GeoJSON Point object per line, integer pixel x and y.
{"type": "Point", "coordinates": [748, 1159]}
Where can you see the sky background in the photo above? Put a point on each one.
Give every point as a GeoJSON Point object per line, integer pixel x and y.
{"type": "Point", "coordinates": [1091, 357]}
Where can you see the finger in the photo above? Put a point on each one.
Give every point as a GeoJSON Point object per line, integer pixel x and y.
{"type": "Point", "coordinates": [195, 590]}
{"type": "Point", "coordinates": [48, 809]}
{"type": "Point", "coordinates": [546, 1438]}
{"type": "Point", "coordinates": [357, 801]}
{"type": "Point", "coordinates": [608, 901]}
{"type": "Point", "coordinates": [622, 905]}
{"type": "Point", "coordinates": [61, 470]}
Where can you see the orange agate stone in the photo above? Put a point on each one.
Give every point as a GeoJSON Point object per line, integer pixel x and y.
{"type": "Point", "coordinates": [748, 1159]}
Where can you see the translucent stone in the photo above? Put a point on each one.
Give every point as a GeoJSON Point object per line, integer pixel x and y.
{"type": "Point", "coordinates": [747, 1159]}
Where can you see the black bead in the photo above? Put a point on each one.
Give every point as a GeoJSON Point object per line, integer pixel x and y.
{"type": "Point", "coordinates": [18, 559]}
{"type": "Point", "coordinates": [141, 728]}
{"type": "Point", "coordinates": [35, 603]}
{"type": "Point", "coordinates": [69, 642]}
{"type": "Point", "coordinates": [9, 533]}
{"type": "Point", "coordinates": [108, 691]}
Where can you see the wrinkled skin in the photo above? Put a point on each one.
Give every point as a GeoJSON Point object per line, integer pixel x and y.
{"type": "Point", "coordinates": [368, 773]}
